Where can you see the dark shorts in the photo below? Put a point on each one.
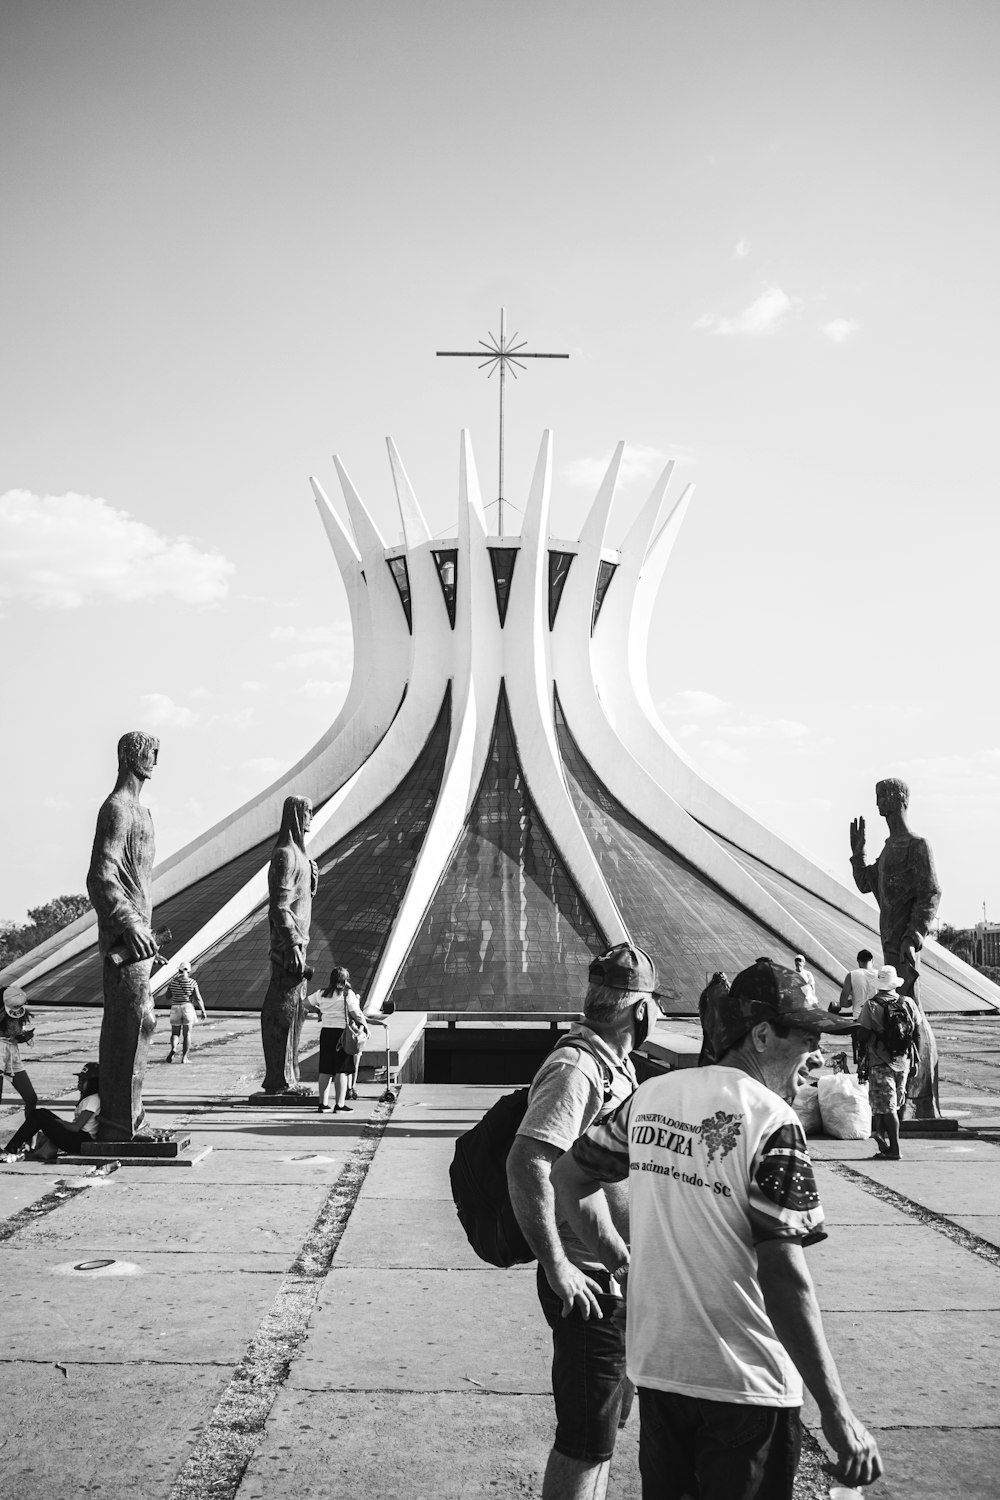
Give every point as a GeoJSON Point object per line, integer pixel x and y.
{"type": "Point", "coordinates": [332, 1057]}
{"type": "Point", "coordinates": [593, 1395]}
{"type": "Point", "coordinates": [716, 1450]}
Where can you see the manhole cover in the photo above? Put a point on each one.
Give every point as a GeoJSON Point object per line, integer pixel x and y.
{"type": "Point", "coordinates": [98, 1266]}
{"type": "Point", "coordinates": [92, 1265]}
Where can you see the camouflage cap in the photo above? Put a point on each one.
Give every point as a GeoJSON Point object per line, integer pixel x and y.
{"type": "Point", "coordinates": [767, 992]}
{"type": "Point", "coordinates": [624, 967]}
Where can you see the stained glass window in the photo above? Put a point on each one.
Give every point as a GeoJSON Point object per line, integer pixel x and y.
{"type": "Point", "coordinates": [507, 928]}
{"type": "Point", "coordinates": [502, 560]}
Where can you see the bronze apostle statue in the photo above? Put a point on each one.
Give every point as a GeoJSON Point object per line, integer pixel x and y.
{"type": "Point", "coordinates": [119, 884]}
{"type": "Point", "coordinates": [904, 883]}
{"type": "Point", "coordinates": [291, 884]}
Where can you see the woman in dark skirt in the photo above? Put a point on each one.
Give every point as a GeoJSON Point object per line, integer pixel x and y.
{"type": "Point", "coordinates": [334, 1063]}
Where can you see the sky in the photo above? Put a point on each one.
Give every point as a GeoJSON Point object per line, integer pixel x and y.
{"type": "Point", "coordinates": [234, 235]}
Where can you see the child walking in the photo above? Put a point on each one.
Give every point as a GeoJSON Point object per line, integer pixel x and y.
{"type": "Point", "coordinates": [182, 992]}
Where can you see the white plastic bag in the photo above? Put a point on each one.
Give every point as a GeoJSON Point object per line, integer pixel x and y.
{"type": "Point", "coordinates": [844, 1107]}
{"type": "Point", "coordinates": [806, 1106]}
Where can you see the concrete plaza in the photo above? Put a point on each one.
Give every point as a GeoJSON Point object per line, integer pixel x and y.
{"type": "Point", "coordinates": [299, 1314]}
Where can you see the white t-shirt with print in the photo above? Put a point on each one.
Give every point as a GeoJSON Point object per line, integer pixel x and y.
{"type": "Point", "coordinates": [90, 1105]}
{"type": "Point", "coordinates": [716, 1163]}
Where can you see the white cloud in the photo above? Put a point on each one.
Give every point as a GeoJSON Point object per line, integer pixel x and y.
{"type": "Point", "coordinates": [263, 768]}
{"type": "Point", "coordinates": [320, 689]}
{"type": "Point", "coordinates": [724, 751]}
{"type": "Point", "coordinates": [692, 704]}
{"type": "Point", "coordinates": [235, 718]}
{"type": "Point", "coordinates": [742, 249]}
{"type": "Point", "coordinates": [638, 462]}
{"type": "Point", "coordinates": [840, 329]}
{"type": "Point", "coordinates": [62, 551]}
{"type": "Point", "coordinates": [764, 315]}
{"type": "Point", "coordinates": [302, 661]}
{"type": "Point", "coordinates": [781, 729]}
{"type": "Point", "coordinates": [161, 712]}
{"type": "Point", "coordinates": [251, 686]}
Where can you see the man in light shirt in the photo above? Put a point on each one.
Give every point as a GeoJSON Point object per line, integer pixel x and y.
{"type": "Point", "coordinates": [723, 1324]}
{"type": "Point", "coordinates": [859, 986]}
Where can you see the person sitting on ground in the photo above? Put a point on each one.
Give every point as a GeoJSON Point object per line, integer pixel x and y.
{"type": "Point", "coordinates": [16, 1031]}
{"type": "Point", "coordinates": [182, 992]}
{"type": "Point", "coordinates": [887, 1068]}
{"type": "Point", "coordinates": [859, 985]}
{"type": "Point", "coordinates": [56, 1134]}
{"type": "Point", "coordinates": [334, 1062]}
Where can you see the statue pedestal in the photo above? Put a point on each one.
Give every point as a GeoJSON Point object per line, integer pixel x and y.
{"type": "Point", "coordinates": [285, 1100]}
{"type": "Point", "coordinates": [175, 1152]}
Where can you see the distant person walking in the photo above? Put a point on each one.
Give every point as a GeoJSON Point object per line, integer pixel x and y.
{"type": "Point", "coordinates": [335, 1063]}
{"type": "Point", "coordinates": [859, 985]}
{"type": "Point", "coordinates": [16, 1031]}
{"type": "Point", "coordinates": [183, 992]}
{"type": "Point", "coordinates": [803, 972]}
{"type": "Point", "coordinates": [889, 1033]}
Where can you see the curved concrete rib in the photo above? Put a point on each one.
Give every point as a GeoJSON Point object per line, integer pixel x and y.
{"type": "Point", "coordinates": [527, 678]}
{"type": "Point", "coordinates": [415, 528]}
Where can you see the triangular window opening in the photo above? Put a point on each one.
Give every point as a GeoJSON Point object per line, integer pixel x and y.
{"type": "Point", "coordinates": [559, 565]}
{"type": "Point", "coordinates": [447, 565]}
{"type": "Point", "coordinates": [502, 560]}
{"type": "Point", "coordinates": [605, 573]}
{"type": "Point", "coordinates": [401, 577]}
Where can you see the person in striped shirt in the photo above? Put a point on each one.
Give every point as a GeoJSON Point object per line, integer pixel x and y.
{"type": "Point", "coordinates": [183, 992]}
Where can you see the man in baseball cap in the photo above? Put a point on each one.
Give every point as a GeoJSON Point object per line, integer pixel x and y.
{"type": "Point", "coordinates": [723, 1203]}
{"type": "Point", "coordinates": [583, 1079]}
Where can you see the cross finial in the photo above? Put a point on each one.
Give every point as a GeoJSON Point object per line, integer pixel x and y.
{"type": "Point", "coordinates": [499, 354]}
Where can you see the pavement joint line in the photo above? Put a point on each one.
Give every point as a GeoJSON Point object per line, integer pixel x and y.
{"type": "Point", "coordinates": [215, 1469]}
{"type": "Point", "coordinates": [957, 1233]}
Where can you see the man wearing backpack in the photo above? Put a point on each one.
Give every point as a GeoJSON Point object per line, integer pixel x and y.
{"type": "Point", "coordinates": [583, 1305]}
{"type": "Point", "coordinates": [888, 1031]}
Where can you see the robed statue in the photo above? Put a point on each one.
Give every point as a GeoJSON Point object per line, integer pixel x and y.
{"type": "Point", "coordinates": [904, 883]}
{"type": "Point", "coordinates": [119, 884]}
{"type": "Point", "coordinates": [292, 878]}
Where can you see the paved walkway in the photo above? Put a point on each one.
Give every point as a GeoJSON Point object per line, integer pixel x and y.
{"type": "Point", "coordinates": [300, 1314]}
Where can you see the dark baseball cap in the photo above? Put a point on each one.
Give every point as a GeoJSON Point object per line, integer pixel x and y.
{"type": "Point", "coordinates": [624, 968]}
{"type": "Point", "coordinates": [767, 992]}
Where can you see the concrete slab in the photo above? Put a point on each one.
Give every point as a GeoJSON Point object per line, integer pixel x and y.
{"type": "Point", "coordinates": [442, 1446]}
{"type": "Point", "coordinates": [905, 1268]}
{"type": "Point", "coordinates": [185, 1213]}
{"type": "Point", "coordinates": [935, 1463]}
{"type": "Point", "coordinates": [158, 1316]}
{"type": "Point", "coordinates": [387, 1232]}
{"type": "Point", "coordinates": [299, 1163]}
{"type": "Point", "coordinates": [987, 1226]}
{"type": "Point", "coordinates": [964, 1187]}
{"type": "Point", "coordinates": [17, 1191]}
{"type": "Point", "coordinates": [75, 1433]}
{"type": "Point", "coordinates": [426, 1331]}
{"type": "Point", "coordinates": [924, 1369]}
{"type": "Point", "coordinates": [962, 1147]}
{"type": "Point", "coordinates": [410, 1169]}
{"type": "Point", "coordinates": [191, 1262]}
{"type": "Point", "coordinates": [311, 1132]}
{"type": "Point", "coordinates": [847, 1203]}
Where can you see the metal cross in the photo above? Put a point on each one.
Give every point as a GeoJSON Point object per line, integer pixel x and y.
{"type": "Point", "coordinates": [499, 354]}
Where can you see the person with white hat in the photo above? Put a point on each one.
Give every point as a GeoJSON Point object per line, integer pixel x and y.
{"type": "Point", "coordinates": [888, 1031]}
{"type": "Point", "coordinates": [16, 1031]}
{"type": "Point", "coordinates": [182, 992]}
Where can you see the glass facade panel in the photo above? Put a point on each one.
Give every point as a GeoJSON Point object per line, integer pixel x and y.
{"type": "Point", "coordinates": [362, 880]}
{"type": "Point", "coordinates": [502, 560]}
{"type": "Point", "coordinates": [446, 561]}
{"type": "Point", "coordinates": [688, 925]}
{"type": "Point", "coordinates": [559, 566]}
{"type": "Point", "coordinates": [507, 928]}
{"type": "Point", "coordinates": [605, 573]}
{"type": "Point", "coordinates": [401, 578]}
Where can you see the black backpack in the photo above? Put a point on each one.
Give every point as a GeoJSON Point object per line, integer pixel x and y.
{"type": "Point", "coordinates": [899, 1034]}
{"type": "Point", "coordinates": [478, 1174]}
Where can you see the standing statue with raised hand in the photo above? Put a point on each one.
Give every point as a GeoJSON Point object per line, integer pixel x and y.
{"type": "Point", "coordinates": [904, 883]}
{"type": "Point", "coordinates": [119, 884]}
{"type": "Point", "coordinates": [291, 884]}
